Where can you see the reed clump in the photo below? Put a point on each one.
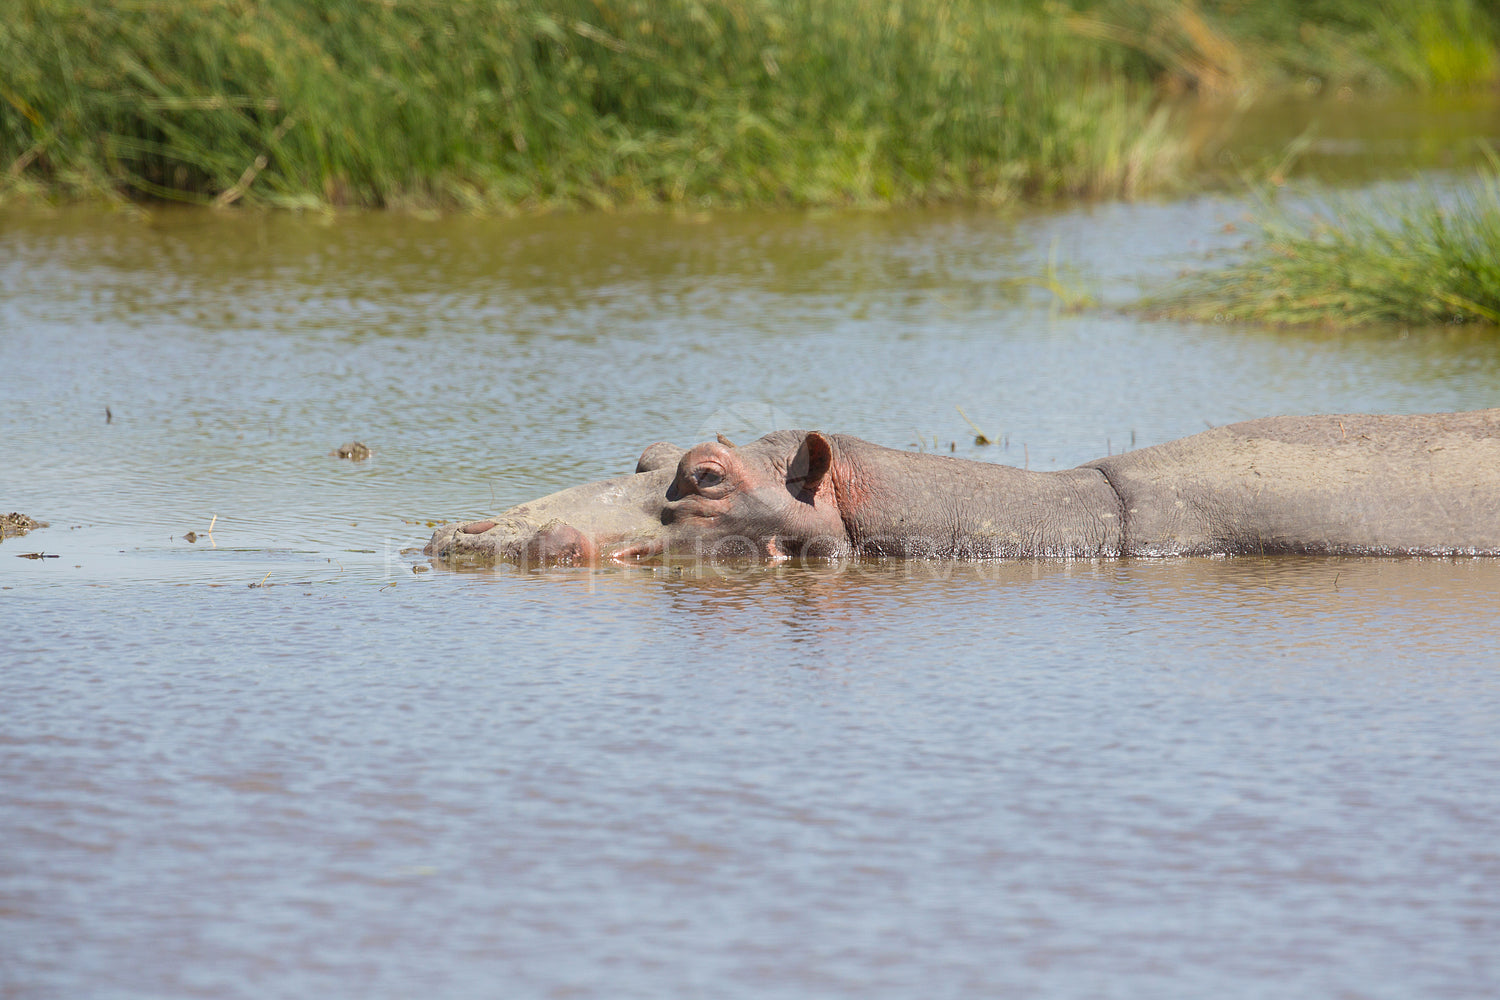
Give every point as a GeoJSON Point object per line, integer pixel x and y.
{"type": "Point", "coordinates": [506, 104]}
{"type": "Point", "coordinates": [1426, 260]}
{"type": "Point", "coordinates": [1233, 47]}
{"type": "Point", "coordinates": [519, 103]}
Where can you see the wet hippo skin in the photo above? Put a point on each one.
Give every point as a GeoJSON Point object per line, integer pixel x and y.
{"type": "Point", "coordinates": [1355, 484]}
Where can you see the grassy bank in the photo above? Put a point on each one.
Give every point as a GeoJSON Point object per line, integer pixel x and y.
{"type": "Point", "coordinates": [1422, 261]}
{"type": "Point", "coordinates": [521, 103]}
{"type": "Point", "coordinates": [1234, 47]}
{"type": "Point", "coordinates": [527, 103]}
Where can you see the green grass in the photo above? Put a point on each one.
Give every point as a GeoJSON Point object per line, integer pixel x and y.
{"type": "Point", "coordinates": [1235, 47]}
{"type": "Point", "coordinates": [520, 104]}
{"type": "Point", "coordinates": [1426, 260]}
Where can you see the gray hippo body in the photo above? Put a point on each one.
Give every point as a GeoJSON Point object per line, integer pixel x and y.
{"type": "Point", "coordinates": [1355, 485]}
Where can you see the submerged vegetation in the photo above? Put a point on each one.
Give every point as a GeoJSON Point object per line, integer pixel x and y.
{"type": "Point", "coordinates": [1423, 261]}
{"type": "Point", "coordinates": [527, 103]}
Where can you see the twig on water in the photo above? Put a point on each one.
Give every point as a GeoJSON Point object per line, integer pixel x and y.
{"type": "Point", "coordinates": [232, 194]}
{"type": "Point", "coordinates": [980, 437]}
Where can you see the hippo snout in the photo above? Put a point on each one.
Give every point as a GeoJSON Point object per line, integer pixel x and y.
{"type": "Point", "coordinates": [569, 528]}
{"type": "Point", "coordinates": [559, 544]}
{"type": "Point", "coordinates": [515, 540]}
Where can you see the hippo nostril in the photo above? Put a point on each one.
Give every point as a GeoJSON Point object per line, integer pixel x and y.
{"type": "Point", "coordinates": [640, 550]}
{"type": "Point", "coordinates": [559, 544]}
{"type": "Point", "coordinates": [477, 527]}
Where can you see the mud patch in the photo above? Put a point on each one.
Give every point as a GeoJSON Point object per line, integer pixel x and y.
{"type": "Point", "coordinates": [14, 525]}
{"type": "Point", "coordinates": [353, 451]}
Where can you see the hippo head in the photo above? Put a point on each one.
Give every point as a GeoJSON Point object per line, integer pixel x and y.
{"type": "Point", "coordinates": [771, 499]}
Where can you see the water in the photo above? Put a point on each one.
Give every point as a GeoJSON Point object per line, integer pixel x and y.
{"type": "Point", "coordinates": [1344, 137]}
{"type": "Point", "coordinates": [291, 759]}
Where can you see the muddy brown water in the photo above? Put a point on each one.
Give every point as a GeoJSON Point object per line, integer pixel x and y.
{"type": "Point", "coordinates": [363, 776]}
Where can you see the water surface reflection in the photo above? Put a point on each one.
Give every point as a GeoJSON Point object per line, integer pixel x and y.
{"type": "Point", "coordinates": [292, 758]}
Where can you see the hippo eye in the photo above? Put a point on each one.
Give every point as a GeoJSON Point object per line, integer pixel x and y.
{"type": "Point", "coordinates": [706, 477]}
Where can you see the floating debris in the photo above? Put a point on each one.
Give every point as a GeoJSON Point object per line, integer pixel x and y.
{"type": "Point", "coordinates": [194, 535]}
{"type": "Point", "coordinates": [37, 555]}
{"type": "Point", "coordinates": [353, 451]}
{"type": "Point", "coordinates": [15, 525]}
{"type": "Point", "coordinates": [980, 437]}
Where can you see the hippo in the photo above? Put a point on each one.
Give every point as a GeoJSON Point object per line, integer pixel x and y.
{"type": "Point", "coordinates": [1352, 484]}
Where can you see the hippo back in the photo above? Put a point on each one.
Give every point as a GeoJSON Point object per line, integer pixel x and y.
{"type": "Point", "coordinates": [1355, 484]}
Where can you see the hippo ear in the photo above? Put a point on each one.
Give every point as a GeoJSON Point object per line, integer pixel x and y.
{"type": "Point", "coordinates": [660, 455]}
{"type": "Point", "coordinates": [809, 467]}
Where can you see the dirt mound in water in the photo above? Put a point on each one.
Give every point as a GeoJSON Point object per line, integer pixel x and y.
{"type": "Point", "coordinates": [14, 524]}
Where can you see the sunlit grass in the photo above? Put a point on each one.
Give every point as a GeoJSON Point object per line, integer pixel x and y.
{"type": "Point", "coordinates": [528, 104]}
{"type": "Point", "coordinates": [520, 104]}
{"type": "Point", "coordinates": [1420, 260]}
{"type": "Point", "coordinates": [1225, 47]}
